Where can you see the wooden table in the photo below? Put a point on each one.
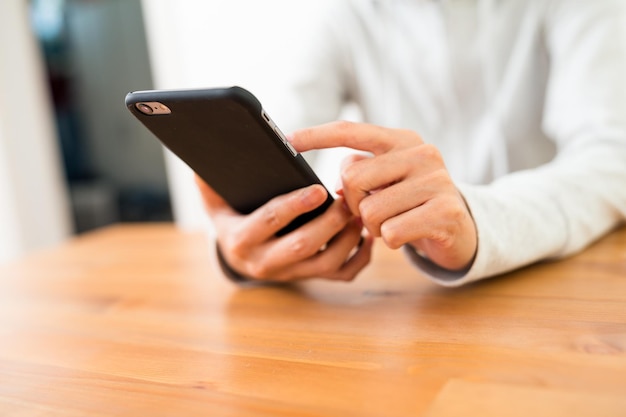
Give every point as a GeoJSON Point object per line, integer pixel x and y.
{"type": "Point", "coordinates": [131, 321]}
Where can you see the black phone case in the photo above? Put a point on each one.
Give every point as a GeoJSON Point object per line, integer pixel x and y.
{"type": "Point", "coordinates": [224, 135]}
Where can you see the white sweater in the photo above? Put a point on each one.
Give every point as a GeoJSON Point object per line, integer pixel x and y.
{"type": "Point", "coordinates": [526, 99]}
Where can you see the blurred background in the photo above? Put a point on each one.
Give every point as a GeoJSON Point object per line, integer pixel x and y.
{"type": "Point", "coordinates": [72, 159]}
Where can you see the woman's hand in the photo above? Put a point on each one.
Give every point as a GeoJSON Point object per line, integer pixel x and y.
{"type": "Point", "coordinates": [403, 192]}
{"type": "Point", "coordinates": [329, 246]}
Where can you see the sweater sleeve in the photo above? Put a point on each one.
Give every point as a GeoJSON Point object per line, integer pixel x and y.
{"type": "Point", "coordinates": [559, 208]}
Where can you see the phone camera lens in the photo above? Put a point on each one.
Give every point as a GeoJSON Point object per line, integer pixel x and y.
{"type": "Point", "coordinates": [144, 108]}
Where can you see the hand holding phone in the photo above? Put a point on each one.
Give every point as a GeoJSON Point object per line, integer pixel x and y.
{"type": "Point", "coordinates": [328, 246]}
{"type": "Point", "coordinates": [274, 219]}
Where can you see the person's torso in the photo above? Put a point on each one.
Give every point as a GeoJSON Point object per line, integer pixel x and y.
{"type": "Point", "coordinates": [468, 75]}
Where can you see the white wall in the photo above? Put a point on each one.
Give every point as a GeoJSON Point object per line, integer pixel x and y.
{"type": "Point", "coordinates": [34, 210]}
{"type": "Point", "coordinates": [109, 58]}
{"type": "Point", "coordinates": [201, 43]}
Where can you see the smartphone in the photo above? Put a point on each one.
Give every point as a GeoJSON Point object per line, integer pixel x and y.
{"type": "Point", "coordinates": [225, 136]}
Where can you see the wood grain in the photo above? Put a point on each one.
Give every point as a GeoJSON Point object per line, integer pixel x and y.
{"type": "Point", "coordinates": [132, 321]}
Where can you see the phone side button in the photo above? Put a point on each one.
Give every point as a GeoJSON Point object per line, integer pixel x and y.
{"type": "Point", "coordinates": [291, 149]}
{"type": "Point", "coordinates": [285, 141]}
{"type": "Point", "coordinates": [280, 133]}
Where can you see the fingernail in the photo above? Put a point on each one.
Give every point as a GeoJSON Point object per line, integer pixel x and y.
{"type": "Point", "coordinates": [339, 186]}
{"type": "Point", "coordinates": [313, 195]}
